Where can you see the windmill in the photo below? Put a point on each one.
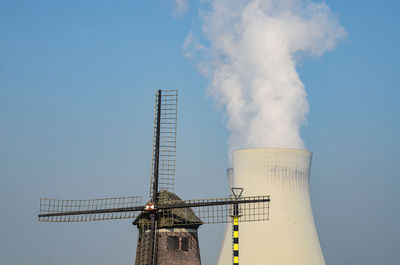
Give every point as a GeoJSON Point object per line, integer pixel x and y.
{"type": "Point", "coordinates": [167, 224]}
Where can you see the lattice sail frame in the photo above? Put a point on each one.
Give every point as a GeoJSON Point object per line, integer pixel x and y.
{"type": "Point", "coordinates": [143, 250]}
{"type": "Point", "coordinates": [56, 206]}
{"type": "Point", "coordinates": [167, 148]}
{"type": "Point", "coordinates": [214, 214]}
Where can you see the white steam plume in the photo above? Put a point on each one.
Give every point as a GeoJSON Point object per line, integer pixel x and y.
{"type": "Point", "coordinates": [251, 60]}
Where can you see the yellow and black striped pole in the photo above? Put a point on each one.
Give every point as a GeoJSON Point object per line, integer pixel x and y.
{"type": "Point", "coordinates": [235, 239]}
{"type": "Point", "coordinates": [237, 192]}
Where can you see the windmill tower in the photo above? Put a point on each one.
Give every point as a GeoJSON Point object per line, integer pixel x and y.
{"type": "Point", "coordinates": [174, 241]}
{"type": "Point", "coordinates": [167, 224]}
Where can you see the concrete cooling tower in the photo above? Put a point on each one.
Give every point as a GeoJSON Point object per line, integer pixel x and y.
{"type": "Point", "coordinates": [289, 236]}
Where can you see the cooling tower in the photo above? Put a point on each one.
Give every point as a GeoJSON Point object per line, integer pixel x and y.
{"type": "Point", "coordinates": [289, 236]}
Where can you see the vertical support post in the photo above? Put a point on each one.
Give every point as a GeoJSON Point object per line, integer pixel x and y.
{"type": "Point", "coordinates": [237, 192]}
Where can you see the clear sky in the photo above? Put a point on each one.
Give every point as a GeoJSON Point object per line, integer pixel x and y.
{"type": "Point", "coordinates": [77, 82]}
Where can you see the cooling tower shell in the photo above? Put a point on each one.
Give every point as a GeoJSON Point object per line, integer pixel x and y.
{"type": "Point", "coordinates": [289, 236]}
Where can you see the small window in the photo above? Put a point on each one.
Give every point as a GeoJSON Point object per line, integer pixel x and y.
{"type": "Point", "coordinates": [172, 242]}
{"type": "Point", "coordinates": [184, 244]}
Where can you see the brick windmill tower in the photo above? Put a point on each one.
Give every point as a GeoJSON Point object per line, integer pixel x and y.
{"type": "Point", "coordinates": [168, 226]}
{"type": "Point", "coordinates": [177, 236]}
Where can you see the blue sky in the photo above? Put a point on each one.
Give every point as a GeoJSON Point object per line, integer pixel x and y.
{"type": "Point", "coordinates": [77, 82]}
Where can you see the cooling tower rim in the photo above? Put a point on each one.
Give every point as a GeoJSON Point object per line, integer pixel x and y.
{"type": "Point", "coordinates": [275, 149]}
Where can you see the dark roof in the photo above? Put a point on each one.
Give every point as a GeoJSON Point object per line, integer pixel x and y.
{"type": "Point", "coordinates": [177, 217]}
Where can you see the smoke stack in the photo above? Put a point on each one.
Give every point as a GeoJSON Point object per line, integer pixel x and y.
{"type": "Point", "coordinates": [289, 236]}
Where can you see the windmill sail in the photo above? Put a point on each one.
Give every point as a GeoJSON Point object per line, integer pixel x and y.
{"type": "Point", "coordinates": [147, 246]}
{"type": "Point", "coordinates": [54, 210]}
{"type": "Point", "coordinates": [164, 153]}
{"type": "Point", "coordinates": [213, 211]}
